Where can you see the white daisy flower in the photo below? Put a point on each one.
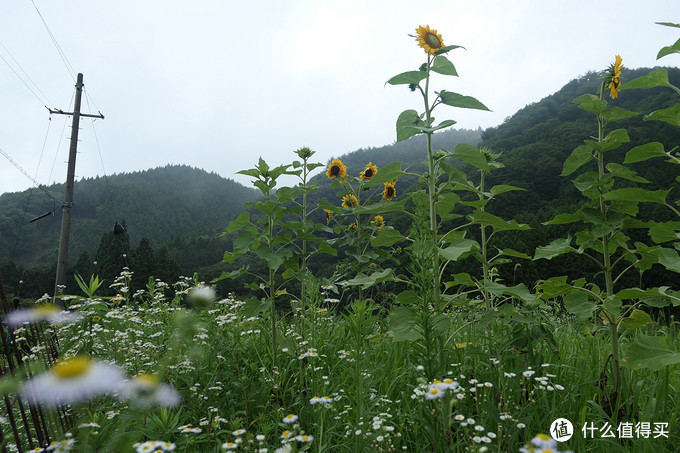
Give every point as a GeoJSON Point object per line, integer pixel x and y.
{"type": "Point", "coordinates": [73, 380]}
{"type": "Point", "coordinates": [145, 390]}
{"type": "Point", "coordinates": [290, 418]}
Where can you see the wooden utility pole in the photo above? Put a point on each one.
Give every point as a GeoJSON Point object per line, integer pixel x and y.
{"type": "Point", "coordinates": [67, 205]}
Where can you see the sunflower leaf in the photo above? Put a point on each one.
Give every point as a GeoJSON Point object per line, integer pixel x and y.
{"type": "Point", "coordinates": [447, 48]}
{"type": "Point", "coordinates": [644, 152]}
{"type": "Point", "coordinates": [471, 155]}
{"type": "Point", "coordinates": [637, 195]}
{"type": "Point", "coordinates": [407, 78]}
{"type": "Point", "coordinates": [649, 352]}
{"type": "Point", "coordinates": [580, 156]}
{"type": "Point", "coordinates": [405, 121]}
{"type": "Point", "coordinates": [658, 78]}
{"type": "Point", "coordinates": [675, 48]}
{"type": "Point", "coordinates": [458, 100]}
{"type": "Point", "coordinates": [442, 65]}
{"type": "Point", "coordinates": [670, 115]}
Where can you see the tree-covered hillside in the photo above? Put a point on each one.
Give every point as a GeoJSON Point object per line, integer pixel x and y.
{"type": "Point", "coordinates": [160, 204]}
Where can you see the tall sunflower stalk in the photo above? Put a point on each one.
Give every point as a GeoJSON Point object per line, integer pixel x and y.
{"type": "Point", "coordinates": [410, 122]}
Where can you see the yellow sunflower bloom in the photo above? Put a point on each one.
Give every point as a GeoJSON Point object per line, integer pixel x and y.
{"type": "Point", "coordinates": [429, 40]}
{"type": "Point", "coordinates": [378, 221]}
{"type": "Point", "coordinates": [389, 192]}
{"type": "Point", "coordinates": [369, 171]}
{"type": "Point", "coordinates": [614, 77]}
{"type": "Point", "coordinates": [336, 169]}
{"type": "Point", "coordinates": [328, 216]}
{"type": "Point", "coordinates": [349, 201]}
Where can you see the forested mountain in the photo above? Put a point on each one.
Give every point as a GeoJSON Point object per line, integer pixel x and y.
{"type": "Point", "coordinates": [160, 204]}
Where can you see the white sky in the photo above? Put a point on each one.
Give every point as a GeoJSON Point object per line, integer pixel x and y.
{"type": "Point", "coordinates": [216, 84]}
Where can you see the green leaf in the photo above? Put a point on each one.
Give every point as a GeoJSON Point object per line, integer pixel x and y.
{"type": "Point", "coordinates": [498, 224]}
{"type": "Point", "coordinates": [447, 48]}
{"type": "Point", "coordinates": [657, 78]}
{"type": "Point", "coordinates": [635, 320]}
{"type": "Point", "coordinates": [644, 152]}
{"type": "Point", "coordinates": [617, 113]}
{"type": "Point", "coordinates": [518, 291]}
{"type": "Point", "coordinates": [578, 305]}
{"type": "Point", "coordinates": [621, 171]}
{"type": "Point", "coordinates": [515, 253]}
{"type": "Point", "coordinates": [403, 324]}
{"type": "Point", "coordinates": [238, 223]}
{"type": "Point", "coordinates": [406, 119]}
{"type": "Point", "coordinates": [669, 259]}
{"type": "Point", "coordinates": [580, 156]}
{"type": "Point", "coordinates": [502, 188]}
{"type": "Point", "coordinates": [407, 78]}
{"type": "Point", "coordinates": [664, 232]}
{"type": "Point", "coordinates": [458, 248]}
{"type": "Point", "coordinates": [385, 174]}
{"type": "Point", "coordinates": [670, 115]}
{"type": "Point", "coordinates": [366, 281]}
{"type": "Point", "coordinates": [442, 65]}
{"type": "Point", "coordinates": [255, 306]}
{"type": "Point", "coordinates": [638, 195]}
{"type": "Point", "coordinates": [446, 202]}
{"type": "Point", "coordinates": [649, 352]}
{"type": "Point", "coordinates": [458, 100]}
{"type": "Point", "coordinates": [555, 248]}
{"type": "Point", "coordinates": [408, 297]}
{"type": "Point", "coordinates": [274, 260]}
{"type": "Point", "coordinates": [387, 238]}
{"type": "Point", "coordinates": [591, 103]}
{"type": "Point", "coordinates": [471, 155]}
{"type": "Point", "coordinates": [667, 50]}
{"type": "Point", "coordinates": [561, 219]}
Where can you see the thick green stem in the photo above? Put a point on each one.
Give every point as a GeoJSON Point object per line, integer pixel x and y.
{"type": "Point", "coordinates": [485, 263]}
{"type": "Point", "coordinates": [607, 268]}
{"type": "Point", "coordinates": [431, 188]}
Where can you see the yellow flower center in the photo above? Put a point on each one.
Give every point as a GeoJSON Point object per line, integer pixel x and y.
{"type": "Point", "coordinates": [46, 309]}
{"type": "Point", "coordinates": [543, 436]}
{"type": "Point", "coordinates": [147, 380]}
{"type": "Point", "coordinates": [71, 368]}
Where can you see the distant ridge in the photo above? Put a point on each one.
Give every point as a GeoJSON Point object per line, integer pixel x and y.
{"type": "Point", "coordinates": [161, 203]}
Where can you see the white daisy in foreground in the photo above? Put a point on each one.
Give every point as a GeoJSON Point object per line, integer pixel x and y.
{"type": "Point", "coordinates": [290, 418]}
{"type": "Point", "coordinates": [43, 312]}
{"type": "Point", "coordinates": [62, 445]}
{"type": "Point", "coordinates": [73, 380]}
{"type": "Point", "coordinates": [145, 390]}
{"type": "Point", "coordinates": [201, 296]}
{"type": "Point", "coordinates": [154, 446]}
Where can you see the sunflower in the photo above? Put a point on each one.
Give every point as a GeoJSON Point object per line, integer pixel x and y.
{"type": "Point", "coordinates": [369, 171]}
{"type": "Point", "coordinates": [429, 40]}
{"type": "Point", "coordinates": [336, 169]}
{"type": "Point", "coordinates": [328, 216]}
{"type": "Point", "coordinates": [349, 201]}
{"type": "Point", "coordinates": [378, 221]}
{"type": "Point", "coordinates": [614, 77]}
{"type": "Point", "coordinates": [389, 192]}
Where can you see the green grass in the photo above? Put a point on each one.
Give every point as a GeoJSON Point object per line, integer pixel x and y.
{"type": "Point", "coordinates": [220, 362]}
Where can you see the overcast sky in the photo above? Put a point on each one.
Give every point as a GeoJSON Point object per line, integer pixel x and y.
{"type": "Point", "coordinates": [217, 83]}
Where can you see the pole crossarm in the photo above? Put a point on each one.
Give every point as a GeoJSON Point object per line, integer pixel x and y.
{"type": "Point", "coordinates": [88, 115]}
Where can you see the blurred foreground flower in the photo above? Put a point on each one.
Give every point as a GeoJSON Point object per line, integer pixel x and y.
{"type": "Point", "coordinates": [44, 312]}
{"type": "Point", "coordinates": [73, 380]}
{"type": "Point", "coordinates": [201, 296]}
{"type": "Point", "coordinates": [153, 446]}
{"type": "Point", "coordinates": [145, 390]}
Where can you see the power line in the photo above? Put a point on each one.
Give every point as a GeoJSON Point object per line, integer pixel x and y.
{"type": "Point", "coordinates": [39, 186]}
{"type": "Point", "coordinates": [69, 68]}
{"type": "Point", "coordinates": [45, 98]}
